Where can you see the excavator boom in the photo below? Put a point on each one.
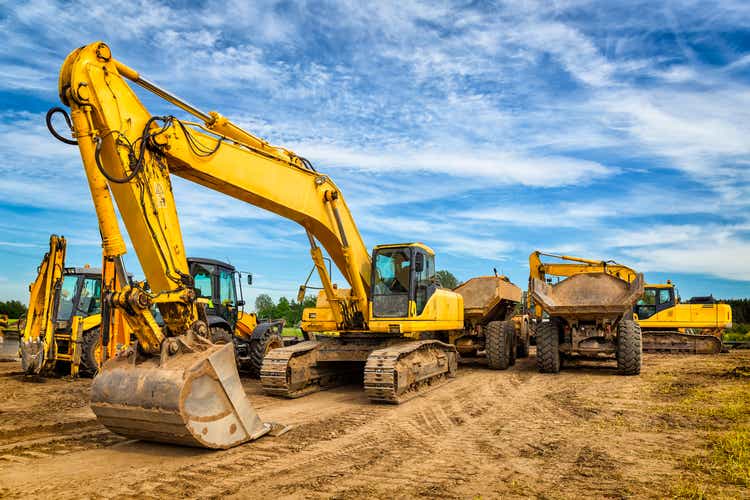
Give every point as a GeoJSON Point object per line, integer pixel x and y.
{"type": "Point", "coordinates": [174, 385]}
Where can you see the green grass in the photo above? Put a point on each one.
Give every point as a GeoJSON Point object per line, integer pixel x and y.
{"type": "Point", "coordinates": [291, 332]}
{"type": "Point", "coordinates": [740, 332]}
{"type": "Point", "coordinates": [728, 458]}
{"type": "Point", "coordinates": [720, 405]}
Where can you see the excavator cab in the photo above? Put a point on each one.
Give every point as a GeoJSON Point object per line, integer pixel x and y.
{"type": "Point", "coordinates": [403, 280]}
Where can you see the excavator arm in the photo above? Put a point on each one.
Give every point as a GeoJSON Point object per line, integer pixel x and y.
{"type": "Point", "coordinates": [174, 385]}
{"type": "Point", "coordinates": [38, 329]}
{"type": "Point", "coordinates": [122, 142]}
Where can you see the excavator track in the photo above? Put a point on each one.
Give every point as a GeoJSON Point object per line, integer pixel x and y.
{"type": "Point", "coordinates": [680, 343]}
{"type": "Point", "coordinates": [398, 373]}
{"type": "Point", "coordinates": [294, 371]}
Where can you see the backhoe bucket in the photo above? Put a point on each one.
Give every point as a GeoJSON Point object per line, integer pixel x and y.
{"type": "Point", "coordinates": [192, 399]}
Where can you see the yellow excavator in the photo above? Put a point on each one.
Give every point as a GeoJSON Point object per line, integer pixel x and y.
{"type": "Point", "coordinates": [175, 385]}
{"type": "Point", "coordinates": [60, 333]}
{"type": "Point", "coordinates": [672, 326]}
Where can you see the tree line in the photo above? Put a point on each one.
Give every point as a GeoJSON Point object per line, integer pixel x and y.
{"type": "Point", "coordinates": [291, 311]}
{"type": "Point", "coordinates": [740, 310]}
{"type": "Point", "coordinates": [13, 308]}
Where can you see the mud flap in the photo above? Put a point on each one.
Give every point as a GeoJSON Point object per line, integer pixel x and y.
{"type": "Point", "coordinates": [193, 399]}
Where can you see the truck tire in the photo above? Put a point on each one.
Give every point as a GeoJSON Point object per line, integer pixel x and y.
{"type": "Point", "coordinates": [89, 346]}
{"type": "Point", "coordinates": [259, 348]}
{"type": "Point", "coordinates": [522, 350]}
{"type": "Point", "coordinates": [548, 348]}
{"type": "Point", "coordinates": [498, 344]}
{"type": "Point", "coordinates": [629, 347]}
{"type": "Point", "coordinates": [510, 333]}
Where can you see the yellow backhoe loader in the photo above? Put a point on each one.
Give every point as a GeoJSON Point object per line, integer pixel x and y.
{"type": "Point", "coordinates": [672, 326]}
{"type": "Point", "coordinates": [589, 313]}
{"type": "Point", "coordinates": [177, 386]}
{"type": "Point", "coordinates": [216, 286]}
{"type": "Point", "coordinates": [61, 333]}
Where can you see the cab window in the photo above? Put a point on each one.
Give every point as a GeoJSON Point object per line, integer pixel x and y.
{"type": "Point", "coordinates": [390, 286]}
{"type": "Point", "coordinates": [90, 301]}
{"type": "Point", "coordinates": [425, 282]}
{"type": "Point", "coordinates": [665, 297]}
{"type": "Point", "coordinates": [646, 305]}
{"type": "Point", "coordinates": [67, 295]}
{"type": "Point", "coordinates": [202, 277]}
{"type": "Point", "coordinates": [226, 288]}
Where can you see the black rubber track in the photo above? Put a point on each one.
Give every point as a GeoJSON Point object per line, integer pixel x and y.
{"type": "Point", "coordinates": [548, 347]}
{"type": "Point", "coordinates": [629, 347]}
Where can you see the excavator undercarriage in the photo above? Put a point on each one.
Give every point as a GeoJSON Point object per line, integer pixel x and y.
{"type": "Point", "coordinates": [395, 368]}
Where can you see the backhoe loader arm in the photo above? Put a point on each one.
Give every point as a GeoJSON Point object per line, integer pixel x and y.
{"type": "Point", "coordinates": [39, 326]}
{"type": "Point", "coordinates": [136, 152]}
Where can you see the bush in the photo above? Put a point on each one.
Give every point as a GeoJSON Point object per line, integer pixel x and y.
{"type": "Point", "coordinates": [13, 308]}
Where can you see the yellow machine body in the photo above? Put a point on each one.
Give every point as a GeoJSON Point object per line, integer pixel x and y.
{"type": "Point", "coordinates": [129, 154]}
{"type": "Point", "coordinates": [670, 325]}
{"type": "Point", "coordinates": [61, 331]}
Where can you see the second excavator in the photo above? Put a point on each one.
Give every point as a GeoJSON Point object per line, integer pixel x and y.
{"type": "Point", "coordinates": [176, 385]}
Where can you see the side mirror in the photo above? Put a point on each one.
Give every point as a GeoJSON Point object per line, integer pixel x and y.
{"type": "Point", "coordinates": [419, 263]}
{"type": "Point", "coordinates": [301, 294]}
{"type": "Point", "coordinates": [249, 278]}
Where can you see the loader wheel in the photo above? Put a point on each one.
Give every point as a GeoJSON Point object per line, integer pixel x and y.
{"type": "Point", "coordinates": [220, 335]}
{"type": "Point", "coordinates": [498, 339]}
{"type": "Point", "coordinates": [270, 339]}
{"type": "Point", "coordinates": [548, 348]}
{"type": "Point", "coordinates": [91, 352]}
{"type": "Point", "coordinates": [629, 347]}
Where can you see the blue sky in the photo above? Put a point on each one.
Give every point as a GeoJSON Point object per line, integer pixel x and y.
{"type": "Point", "coordinates": [486, 130]}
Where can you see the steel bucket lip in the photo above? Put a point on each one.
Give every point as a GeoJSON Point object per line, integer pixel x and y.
{"type": "Point", "coordinates": [148, 400]}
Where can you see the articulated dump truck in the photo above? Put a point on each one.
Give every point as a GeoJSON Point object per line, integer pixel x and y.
{"type": "Point", "coordinates": [589, 312]}
{"type": "Point", "coordinates": [490, 326]}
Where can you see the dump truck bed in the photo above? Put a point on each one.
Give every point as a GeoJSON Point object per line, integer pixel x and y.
{"type": "Point", "coordinates": [487, 298]}
{"type": "Point", "coordinates": [587, 296]}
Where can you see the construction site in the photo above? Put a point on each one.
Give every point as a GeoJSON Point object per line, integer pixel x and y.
{"type": "Point", "coordinates": [156, 373]}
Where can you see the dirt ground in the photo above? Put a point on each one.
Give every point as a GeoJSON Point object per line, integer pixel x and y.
{"type": "Point", "coordinates": [486, 434]}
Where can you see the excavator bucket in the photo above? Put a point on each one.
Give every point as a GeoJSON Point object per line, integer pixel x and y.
{"type": "Point", "coordinates": [192, 398]}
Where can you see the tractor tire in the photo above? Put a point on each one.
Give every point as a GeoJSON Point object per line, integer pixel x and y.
{"type": "Point", "coordinates": [221, 335]}
{"type": "Point", "coordinates": [629, 347]}
{"type": "Point", "coordinates": [548, 348]}
{"type": "Point", "coordinates": [90, 344]}
{"type": "Point", "coordinates": [498, 343]}
{"type": "Point", "coordinates": [270, 339]}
